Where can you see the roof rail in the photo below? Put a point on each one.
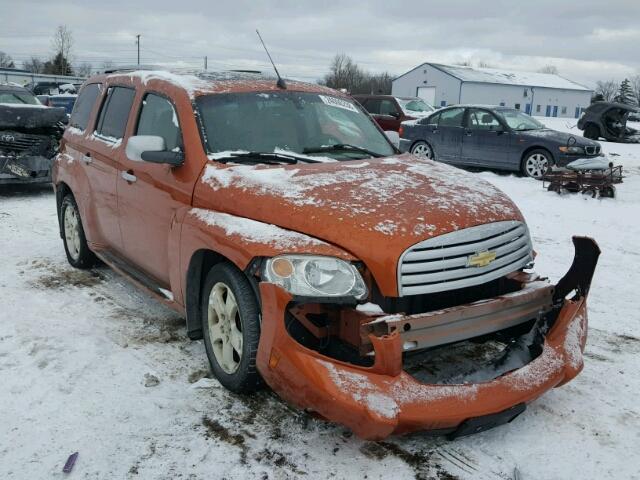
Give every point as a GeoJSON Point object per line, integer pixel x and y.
{"type": "Point", "coordinates": [130, 68]}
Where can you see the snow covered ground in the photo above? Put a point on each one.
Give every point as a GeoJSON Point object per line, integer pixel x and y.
{"type": "Point", "coordinates": [90, 364]}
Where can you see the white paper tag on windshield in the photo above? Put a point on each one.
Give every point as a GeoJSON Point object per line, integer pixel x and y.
{"type": "Point", "coordinates": [338, 102]}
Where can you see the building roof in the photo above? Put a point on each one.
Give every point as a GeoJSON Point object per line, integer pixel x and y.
{"type": "Point", "coordinates": [508, 77]}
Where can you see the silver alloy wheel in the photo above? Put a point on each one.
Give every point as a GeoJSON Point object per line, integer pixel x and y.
{"type": "Point", "coordinates": [423, 150]}
{"type": "Point", "coordinates": [225, 332]}
{"type": "Point", "coordinates": [536, 165]}
{"type": "Point", "coordinates": [72, 231]}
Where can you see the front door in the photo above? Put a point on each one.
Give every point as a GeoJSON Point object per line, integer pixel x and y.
{"type": "Point", "coordinates": [485, 141]}
{"type": "Point", "coordinates": [449, 136]}
{"type": "Point", "coordinates": [147, 194]}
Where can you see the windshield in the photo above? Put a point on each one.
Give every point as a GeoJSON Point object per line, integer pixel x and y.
{"type": "Point", "coordinates": [289, 121]}
{"type": "Point", "coordinates": [18, 96]}
{"type": "Point", "coordinates": [415, 106]}
{"type": "Point", "coordinates": [519, 121]}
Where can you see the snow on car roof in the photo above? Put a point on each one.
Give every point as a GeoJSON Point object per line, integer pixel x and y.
{"type": "Point", "coordinates": [509, 77]}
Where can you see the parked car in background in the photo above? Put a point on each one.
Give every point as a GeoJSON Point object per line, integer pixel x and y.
{"type": "Point", "coordinates": [310, 255]}
{"type": "Point", "coordinates": [29, 136]}
{"type": "Point", "coordinates": [389, 111]}
{"type": "Point", "coordinates": [50, 87]}
{"type": "Point", "coordinates": [609, 121]}
{"type": "Point", "coordinates": [64, 100]}
{"type": "Point", "coordinates": [493, 137]}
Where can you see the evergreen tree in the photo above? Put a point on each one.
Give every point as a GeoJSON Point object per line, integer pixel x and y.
{"type": "Point", "coordinates": [625, 93]}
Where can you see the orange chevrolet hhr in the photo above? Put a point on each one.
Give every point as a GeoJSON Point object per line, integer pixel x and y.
{"type": "Point", "coordinates": [378, 290]}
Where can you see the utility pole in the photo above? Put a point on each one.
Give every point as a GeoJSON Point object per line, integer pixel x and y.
{"type": "Point", "coordinates": [138, 43]}
{"type": "Point", "coordinates": [205, 63]}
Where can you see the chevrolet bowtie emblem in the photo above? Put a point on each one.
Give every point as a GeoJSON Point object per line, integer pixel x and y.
{"type": "Point", "coordinates": [481, 259]}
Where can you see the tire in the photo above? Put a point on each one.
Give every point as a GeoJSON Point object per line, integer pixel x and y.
{"type": "Point", "coordinates": [591, 131]}
{"type": "Point", "coordinates": [536, 163]}
{"type": "Point", "coordinates": [232, 360]}
{"type": "Point", "coordinates": [423, 150]}
{"type": "Point", "coordinates": [75, 243]}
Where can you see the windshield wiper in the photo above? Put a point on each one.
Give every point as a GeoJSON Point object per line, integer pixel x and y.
{"type": "Point", "coordinates": [265, 157]}
{"type": "Point", "coordinates": [341, 147]}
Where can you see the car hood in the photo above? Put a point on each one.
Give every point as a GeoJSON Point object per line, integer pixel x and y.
{"type": "Point", "coordinates": [375, 208]}
{"type": "Point", "coordinates": [555, 136]}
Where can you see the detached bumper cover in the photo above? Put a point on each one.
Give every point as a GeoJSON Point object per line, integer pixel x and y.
{"type": "Point", "coordinates": [382, 400]}
{"type": "Point", "coordinates": [29, 168]}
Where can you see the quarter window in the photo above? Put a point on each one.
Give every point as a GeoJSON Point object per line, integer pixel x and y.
{"type": "Point", "coordinates": [158, 117]}
{"type": "Point", "coordinates": [83, 106]}
{"type": "Point", "coordinates": [451, 117]}
{"type": "Point", "coordinates": [387, 107]}
{"type": "Point", "coordinates": [115, 112]}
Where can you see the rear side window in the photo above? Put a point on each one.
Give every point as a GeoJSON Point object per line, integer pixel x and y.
{"type": "Point", "coordinates": [372, 106]}
{"type": "Point", "coordinates": [158, 117]}
{"type": "Point", "coordinates": [115, 112]}
{"type": "Point", "coordinates": [84, 105]}
{"type": "Point", "coordinates": [451, 118]}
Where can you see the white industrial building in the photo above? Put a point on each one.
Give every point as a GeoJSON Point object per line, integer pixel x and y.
{"type": "Point", "coordinates": [540, 94]}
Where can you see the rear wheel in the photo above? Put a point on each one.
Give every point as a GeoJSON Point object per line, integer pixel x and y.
{"type": "Point", "coordinates": [591, 131]}
{"type": "Point", "coordinates": [231, 328]}
{"type": "Point", "coordinates": [75, 242]}
{"type": "Point", "coordinates": [423, 150]}
{"type": "Point", "coordinates": [536, 163]}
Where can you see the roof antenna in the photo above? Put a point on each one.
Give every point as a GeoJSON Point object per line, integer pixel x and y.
{"type": "Point", "coordinates": [280, 82]}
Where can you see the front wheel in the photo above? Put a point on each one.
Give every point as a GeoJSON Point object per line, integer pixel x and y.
{"type": "Point", "coordinates": [75, 242]}
{"type": "Point", "coordinates": [423, 150]}
{"type": "Point", "coordinates": [536, 163]}
{"type": "Point", "coordinates": [231, 328]}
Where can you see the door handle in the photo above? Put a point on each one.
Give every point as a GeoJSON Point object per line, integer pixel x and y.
{"type": "Point", "coordinates": [128, 176]}
{"type": "Point", "coordinates": [86, 159]}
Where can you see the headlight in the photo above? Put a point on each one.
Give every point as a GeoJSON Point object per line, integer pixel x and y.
{"type": "Point", "coordinates": [578, 150]}
{"type": "Point", "coordinates": [315, 276]}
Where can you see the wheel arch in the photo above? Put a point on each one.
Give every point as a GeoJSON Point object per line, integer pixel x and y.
{"type": "Point", "coordinates": [596, 125]}
{"type": "Point", "coordinates": [62, 190]}
{"type": "Point", "coordinates": [536, 147]}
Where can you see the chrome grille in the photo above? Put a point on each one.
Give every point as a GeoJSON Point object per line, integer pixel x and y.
{"type": "Point", "coordinates": [442, 263]}
{"type": "Point", "coordinates": [19, 143]}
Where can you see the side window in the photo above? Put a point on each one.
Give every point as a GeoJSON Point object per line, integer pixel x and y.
{"type": "Point", "coordinates": [115, 112]}
{"type": "Point", "coordinates": [482, 120]}
{"type": "Point", "coordinates": [387, 107]}
{"type": "Point", "coordinates": [373, 106]}
{"type": "Point", "coordinates": [451, 117]}
{"type": "Point", "coordinates": [83, 106]}
{"type": "Point", "coordinates": [158, 117]}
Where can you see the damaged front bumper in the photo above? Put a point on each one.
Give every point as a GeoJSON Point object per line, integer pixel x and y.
{"type": "Point", "coordinates": [24, 169]}
{"type": "Point", "coordinates": [383, 399]}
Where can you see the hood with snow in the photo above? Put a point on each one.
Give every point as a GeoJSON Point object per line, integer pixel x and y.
{"type": "Point", "coordinates": [374, 208]}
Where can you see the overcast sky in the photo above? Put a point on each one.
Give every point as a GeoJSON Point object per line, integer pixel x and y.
{"type": "Point", "coordinates": [586, 40]}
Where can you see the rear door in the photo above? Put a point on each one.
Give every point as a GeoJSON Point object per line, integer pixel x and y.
{"type": "Point", "coordinates": [485, 141]}
{"type": "Point", "coordinates": [105, 150]}
{"type": "Point", "coordinates": [385, 112]}
{"type": "Point", "coordinates": [148, 195]}
{"type": "Point", "coordinates": [449, 135]}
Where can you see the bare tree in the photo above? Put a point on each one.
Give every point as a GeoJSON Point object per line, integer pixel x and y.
{"type": "Point", "coordinates": [607, 90]}
{"type": "Point", "coordinates": [464, 63]}
{"type": "Point", "coordinates": [33, 65]}
{"type": "Point", "coordinates": [84, 69]}
{"type": "Point", "coordinates": [344, 73]}
{"type": "Point", "coordinates": [635, 86]}
{"type": "Point", "coordinates": [61, 43]}
{"type": "Point", "coordinates": [6, 61]}
{"type": "Point", "coordinates": [549, 69]}
{"type": "Point", "coordinates": [483, 64]}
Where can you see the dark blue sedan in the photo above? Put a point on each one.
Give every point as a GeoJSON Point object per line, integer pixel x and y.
{"type": "Point", "coordinates": [493, 137]}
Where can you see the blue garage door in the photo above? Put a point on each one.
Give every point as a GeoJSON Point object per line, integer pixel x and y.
{"type": "Point", "coordinates": [555, 110]}
{"type": "Point", "coordinates": [548, 112]}
{"type": "Point", "coordinates": [577, 112]}
{"type": "Point", "coordinates": [527, 109]}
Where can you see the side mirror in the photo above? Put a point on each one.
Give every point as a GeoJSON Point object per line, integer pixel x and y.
{"type": "Point", "coordinates": [152, 148]}
{"type": "Point", "coordinates": [393, 137]}
{"type": "Point", "coordinates": [395, 114]}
